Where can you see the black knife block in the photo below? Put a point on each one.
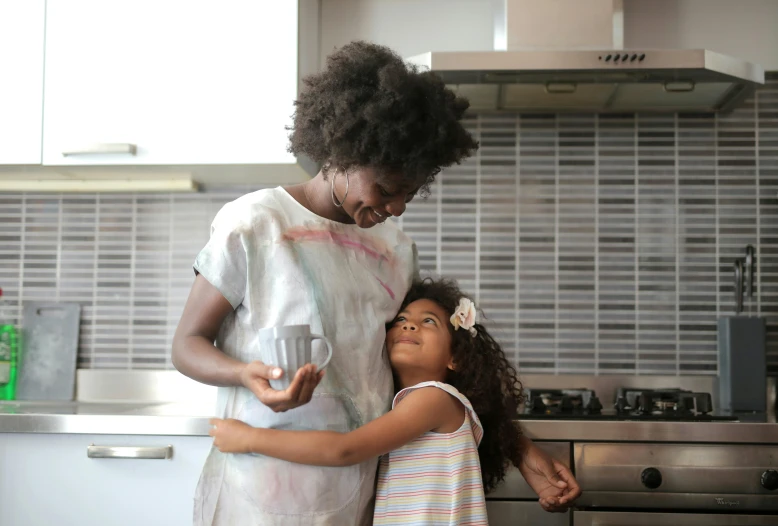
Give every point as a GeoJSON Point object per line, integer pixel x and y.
{"type": "Point", "coordinates": [742, 364]}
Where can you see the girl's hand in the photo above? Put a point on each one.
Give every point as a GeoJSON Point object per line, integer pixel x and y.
{"type": "Point", "coordinates": [554, 483]}
{"type": "Point", "coordinates": [231, 436]}
{"type": "Point", "coordinates": [255, 375]}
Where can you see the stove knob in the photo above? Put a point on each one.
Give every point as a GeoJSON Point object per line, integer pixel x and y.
{"type": "Point", "coordinates": [651, 478]}
{"type": "Point", "coordinates": [538, 406]}
{"type": "Point", "coordinates": [646, 403]}
{"type": "Point", "coordinates": [595, 406]}
{"type": "Point", "coordinates": [686, 404]}
{"type": "Point", "coordinates": [704, 403]}
{"type": "Point", "coordinates": [770, 479]}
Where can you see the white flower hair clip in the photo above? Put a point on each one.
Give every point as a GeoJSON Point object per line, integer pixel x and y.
{"type": "Point", "coordinates": [464, 316]}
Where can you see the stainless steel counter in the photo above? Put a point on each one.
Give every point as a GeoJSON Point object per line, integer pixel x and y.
{"type": "Point", "coordinates": [182, 419]}
{"type": "Point", "coordinates": [158, 410]}
{"type": "Point", "coordinates": [698, 432]}
{"type": "Point", "coordinates": [104, 418]}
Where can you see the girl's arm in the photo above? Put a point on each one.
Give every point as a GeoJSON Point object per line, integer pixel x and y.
{"type": "Point", "coordinates": [550, 479]}
{"type": "Point", "coordinates": [425, 409]}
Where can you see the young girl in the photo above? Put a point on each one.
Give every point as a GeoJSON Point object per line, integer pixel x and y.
{"type": "Point", "coordinates": [449, 435]}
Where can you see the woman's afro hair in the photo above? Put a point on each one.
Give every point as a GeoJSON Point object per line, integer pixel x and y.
{"type": "Point", "coordinates": [369, 108]}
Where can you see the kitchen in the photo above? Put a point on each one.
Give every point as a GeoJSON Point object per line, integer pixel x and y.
{"type": "Point", "coordinates": [600, 246]}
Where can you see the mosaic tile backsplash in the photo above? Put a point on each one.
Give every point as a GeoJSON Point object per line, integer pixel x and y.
{"type": "Point", "coordinates": [594, 244]}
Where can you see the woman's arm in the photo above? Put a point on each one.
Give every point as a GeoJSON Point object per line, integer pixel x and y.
{"type": "Point", "coordinates": [195, 355]}
{"type": "Point", "coordinates": [422, 410]}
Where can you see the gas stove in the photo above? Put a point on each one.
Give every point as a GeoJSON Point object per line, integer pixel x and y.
{"type": "Point", "coordinates": [649, 466]}
{"type": "Point", "coordinates": [631, 403]}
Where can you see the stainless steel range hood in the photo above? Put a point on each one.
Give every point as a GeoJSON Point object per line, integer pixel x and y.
{"type": "Point", "coordinates": [568, 56]}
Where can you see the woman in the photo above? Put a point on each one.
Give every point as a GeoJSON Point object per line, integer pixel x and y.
{"type": "Point", "coordinates": [321, 253]}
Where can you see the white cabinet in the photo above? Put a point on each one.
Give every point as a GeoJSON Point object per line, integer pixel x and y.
{"type": "Point", "coordinates": [48, 479]}
{"type": "Point", "coordinates": [21, 87]}
{"type": "Point", "coordinates": [144, 82]}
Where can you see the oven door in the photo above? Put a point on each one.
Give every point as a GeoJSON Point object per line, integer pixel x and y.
{"type": "Point", "coordinates": [521, 513]}
{"type": "Point", "coordinates": [625, 518]}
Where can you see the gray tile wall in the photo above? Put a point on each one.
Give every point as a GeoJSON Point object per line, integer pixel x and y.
{"type": "Point", "coordinates": [126, 258]}
{"type": "Point", "coordinates": [595, 244]}
{"type": "Point", "coordinates": [605, 244]}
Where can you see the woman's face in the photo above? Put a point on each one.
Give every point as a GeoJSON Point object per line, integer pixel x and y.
{"type": "Point", "coordinates": [371, 199]}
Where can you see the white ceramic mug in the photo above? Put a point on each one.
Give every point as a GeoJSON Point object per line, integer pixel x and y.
{"type": "Point", "coordinates": [289, 347]}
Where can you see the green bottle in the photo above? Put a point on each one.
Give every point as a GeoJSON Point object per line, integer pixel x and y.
{"type": "Point", "coordinates": [8, 359]}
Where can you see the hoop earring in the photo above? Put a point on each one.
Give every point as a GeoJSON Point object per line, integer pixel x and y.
{"type": "Point", "coordinates": [332, 191]}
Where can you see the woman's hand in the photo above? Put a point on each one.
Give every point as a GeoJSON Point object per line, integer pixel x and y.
{"type": "Point", "coordinates": [550, 479]}
{"type": "Point", "coordinates": [255, 375]}
{"type": "Point", "coordinates": [231, 436]}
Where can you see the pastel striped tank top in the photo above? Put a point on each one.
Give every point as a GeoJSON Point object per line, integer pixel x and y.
{"type": "Point", "coordinates": [436, 478]}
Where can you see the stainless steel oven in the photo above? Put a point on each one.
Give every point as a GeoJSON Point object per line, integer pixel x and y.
{"type": "Point", "coordinates": [647, 451]}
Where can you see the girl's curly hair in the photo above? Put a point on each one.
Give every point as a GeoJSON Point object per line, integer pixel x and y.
{"type": "Point", "coordinates": [369, 108]}
{"type": "Point", "coordinates": [485, 377]}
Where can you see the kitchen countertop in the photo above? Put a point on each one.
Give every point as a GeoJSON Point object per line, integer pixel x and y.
{"type": "Point", "coordinates": [104, 418]}
{"type": "Point", "coordinates": [188, 419]}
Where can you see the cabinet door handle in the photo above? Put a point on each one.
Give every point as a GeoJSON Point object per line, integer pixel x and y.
{"type": "Point", "coordinates": [160, 452]}
{"type": "Point", "coordinates": [103, 147]}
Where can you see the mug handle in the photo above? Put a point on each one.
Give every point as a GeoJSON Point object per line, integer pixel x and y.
{"type": "Point", "coordinates": [329, 350]}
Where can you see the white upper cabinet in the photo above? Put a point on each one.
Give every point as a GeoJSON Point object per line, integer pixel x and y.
{"type": "Point", "coordinates": [174, 82]}
{"type": "Point", "coordinates": [21, 80]}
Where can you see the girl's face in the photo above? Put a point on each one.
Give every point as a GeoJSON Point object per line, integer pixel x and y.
{"type": "Point", "coordinates": [370, 199]}
{"type": "Point", "coordinates": [420, 338]}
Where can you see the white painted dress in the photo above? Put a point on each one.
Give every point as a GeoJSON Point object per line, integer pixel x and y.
{"type": "Point", "coordinates": [278, 263]}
